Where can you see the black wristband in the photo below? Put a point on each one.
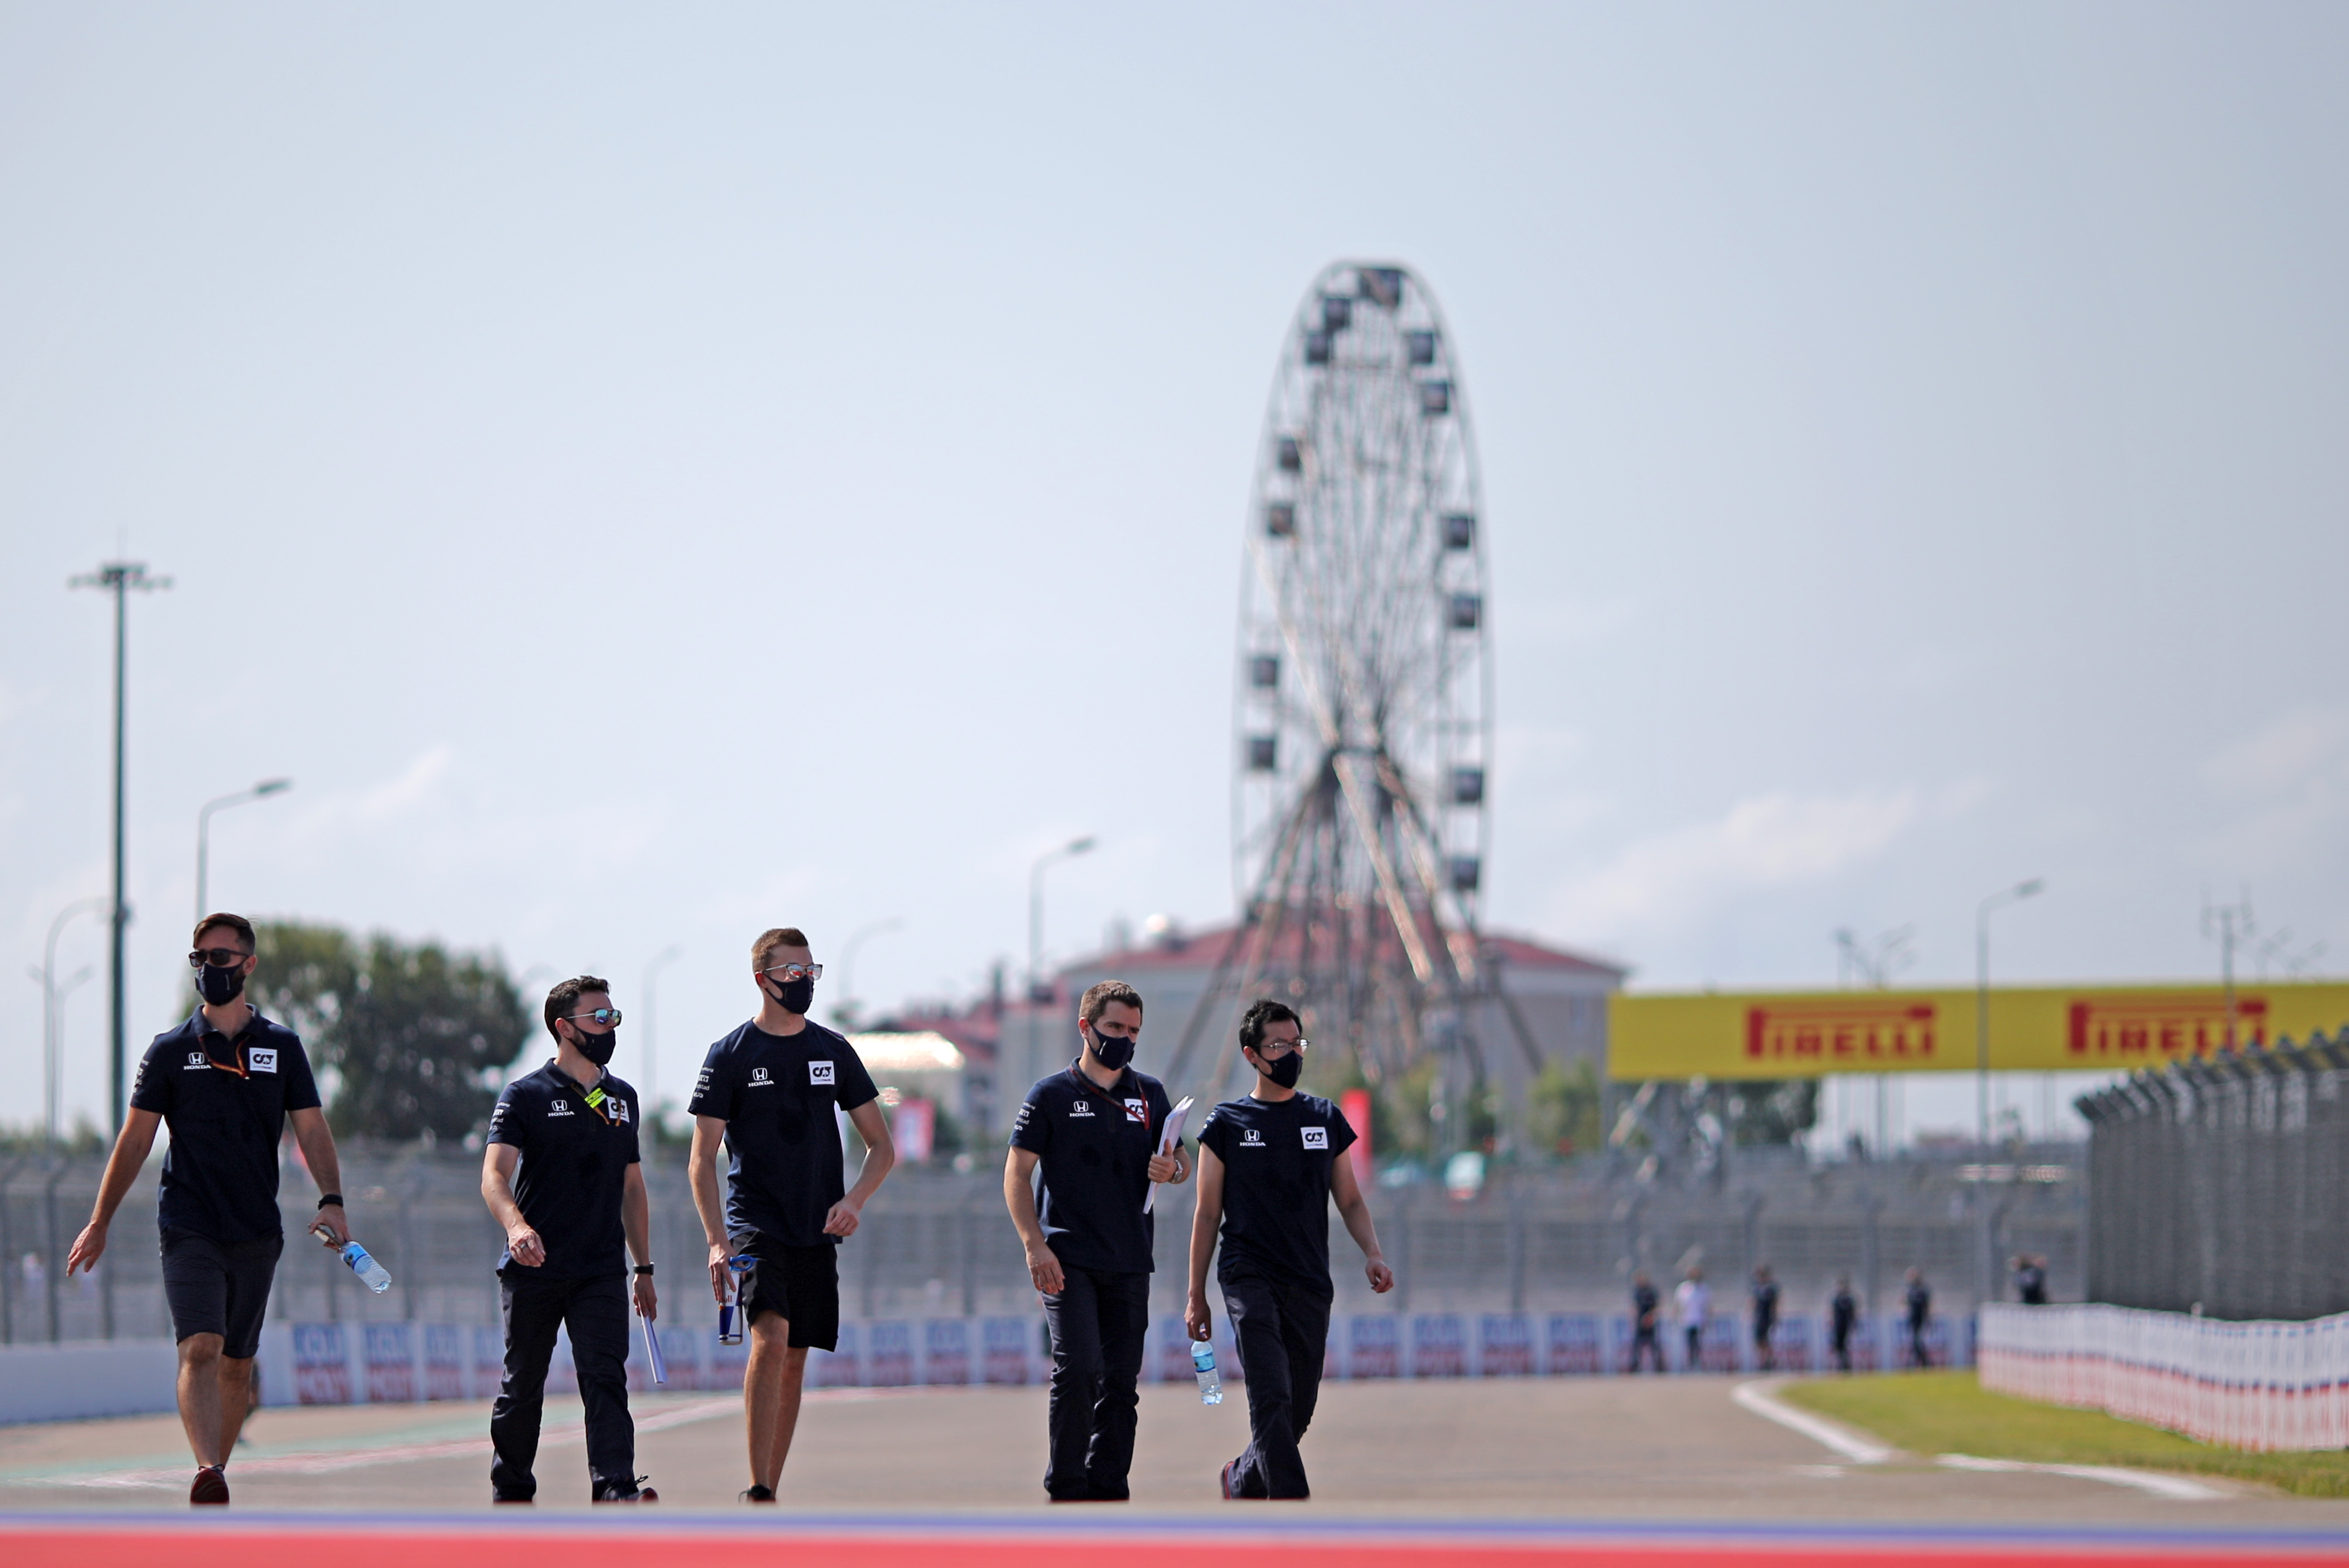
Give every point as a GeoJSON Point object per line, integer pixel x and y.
{"type": "Point", "coordinates": [333, 1199]}
{"type": "Point", "coordinates": [644, 1269]}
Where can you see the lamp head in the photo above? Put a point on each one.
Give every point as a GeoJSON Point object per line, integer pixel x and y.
{"type": "Point", "coordinates": [272, 786]}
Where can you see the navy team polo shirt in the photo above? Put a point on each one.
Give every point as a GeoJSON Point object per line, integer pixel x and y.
{"type": "Point", "coordinates": [226, 1102]}
{"type": "Point", "coordinates": [1093, 1146]}
{"type": "Point", "coordinates": [574, 1165]}
{"type": "Point", "coordinates": [776, 1094]}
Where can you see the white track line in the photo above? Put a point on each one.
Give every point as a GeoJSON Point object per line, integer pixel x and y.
{"type": "Point", "coordinates": [2176, 1488]}
{"type": "Point", "coordinates": [1760, 1396]}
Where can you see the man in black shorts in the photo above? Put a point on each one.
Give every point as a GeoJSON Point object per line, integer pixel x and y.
{"type": "Point", "coordinates": [768, 1091]}
{"type": "Point", "coordinates": [570, 1127]}
{"type": "Point", "coordinates": [1093, 1130]}
{"type": "Point", "coordinates": [226, 1081]}
{"type": "Point", "coordinates": [1269, 1166]}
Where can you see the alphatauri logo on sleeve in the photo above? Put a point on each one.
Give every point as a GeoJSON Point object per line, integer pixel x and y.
{"type": "Point", "coordinates": [819, 1072]}
{"type": "Point", "coordinates": [263, 1060]}
{"type": "Point", "coordinates": [1317, 1137]}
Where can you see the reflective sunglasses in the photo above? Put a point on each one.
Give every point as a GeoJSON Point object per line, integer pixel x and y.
{"type": "Point", "coordinates": [604, 1017]}
{"type": "Point", "coordinates": [219, 958]}
{"type": "Point", "coordinates": [792, 971]}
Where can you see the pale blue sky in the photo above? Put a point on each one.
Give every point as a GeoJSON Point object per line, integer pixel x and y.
{"type": "Point", "coordinates": [652, 473]}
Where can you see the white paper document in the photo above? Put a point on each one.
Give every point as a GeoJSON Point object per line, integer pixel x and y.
{"type": "Point", "coordinates": [1168, 1139]}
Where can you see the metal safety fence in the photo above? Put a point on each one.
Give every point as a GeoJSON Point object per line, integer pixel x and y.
{"type": "Point", "coordinates": [935, 1245]}
{"type": "Point", "coordinates": [2215, 1185]}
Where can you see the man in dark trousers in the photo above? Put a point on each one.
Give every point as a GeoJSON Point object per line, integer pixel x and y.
{"type": "Point", "coordinates": [227, 1081]}
{"type": "Point", "coordinates": [1843, 1316]}
{"type": "Point", "coordinates": [570, 1127]}
{"type": "Point", "coordinates": [2030, 1280]}
{"type": "Point", "coordinates": [1766, 1318]}
{"type": "Point", "coordinates": [1092, 1132]}
{"type": "Point", "coordinates": [1646, 1305]}
{"type": "Point", "coordinates": [1269, 1165]}
{"type": "Point", "coordinates": [767, 1093]}
{"type": "Point", "coordinates": [1920, 1312]}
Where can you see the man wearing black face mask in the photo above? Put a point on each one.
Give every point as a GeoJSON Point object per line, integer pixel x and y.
{"type": "Point", "coordinates": [572, 1129]}
{"type": "Point", "coordinates": [1269, 1166]}
{"type": "Point", "coordinates": [1094, 1132]}
{"type": "Point", "coordinates": [228, 1080]}
{"type": "Point", "coordinates": [767, 1092]}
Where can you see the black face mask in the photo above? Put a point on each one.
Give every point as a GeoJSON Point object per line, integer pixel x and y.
{"type": "Point", "coordinates": [795, 996]}
{"type": "Point", "coordinates": [1284, 1070]}
{"type": "Point", "coordinates": [219, 985]}
{"type": "Point", "coordinates": [1114, 1051]}
{"type": "Point", "coordinates": [599, 1048]}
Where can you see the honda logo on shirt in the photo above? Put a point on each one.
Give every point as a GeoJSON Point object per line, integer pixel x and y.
{"type": "Point", "coordinates": [759, 1078]}
{"type": "Point", "coordinates": [1317, 1137]}
{"type": "Point", "coordinates": [1081, 1108]}
{"type": "Point", "coordinates": [1251, 1138]}
{"type": "Point", "coordinates": [560, 1108]}
{"type": "Point", "coordinates": [819, 1072]}
{"type": "Point", "coordinates": [263, 1060]}
{"type": "Point", "coordinates": [196, 1062]}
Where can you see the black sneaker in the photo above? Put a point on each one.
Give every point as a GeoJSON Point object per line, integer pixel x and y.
{"type": "Point", "coordinates": [630, 1491]}
{"type": "Point", "coordinates": [758, 1494]}
{"type": "Point", "coordinates": [500, 1499]}
{"type": "Point", "coordinates": [211, 1486]}
{"type": "Point", "coordinates": [1229, 1495]}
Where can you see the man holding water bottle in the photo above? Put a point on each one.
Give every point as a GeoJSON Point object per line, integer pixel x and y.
{"type": "Point", "coordinates": [226, 1081]}
{"type": "Point", "coordinates": [1269, 1166]}
{"type": "Point", "coordinates": [767, 1093]}
{"type": "Point", "coordinates": [570, 1128]}
{"type": "Point", "coordinates": [1094, 1131]}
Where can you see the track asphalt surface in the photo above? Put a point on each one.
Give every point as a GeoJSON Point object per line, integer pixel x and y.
{"type": "Point", "coordinates": [1652, 1471]}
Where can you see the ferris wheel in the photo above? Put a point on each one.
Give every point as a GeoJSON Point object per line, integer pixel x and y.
{"type": "Point", "coordinates": [1364, 701]}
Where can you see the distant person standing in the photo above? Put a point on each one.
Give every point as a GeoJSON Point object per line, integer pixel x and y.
{"type": "Point", "coordinates": [577, 1209]}
{"type": "Point", "coordinates": [2031, 1279]}
{"type": "Point", "coordinates": [1843, 1316]}
{"type": "Point", "coordinates": [1092, 1132]}
{"type": "Point", "coordinates": [1766, 1318]}
{"type": "Point", "coordinates": [226, 1082]}
{"type": "Point", "coordinates": [1920, 1312]}
{"type": "Point", "coordinates": [766, 1095]}
{"type": "Point", "coordinates": [1270, 1164]}
{"type": "Point", "coordinates": [1694, 1303]}
{"type": "Point", "coordinates": [1646, 1311]}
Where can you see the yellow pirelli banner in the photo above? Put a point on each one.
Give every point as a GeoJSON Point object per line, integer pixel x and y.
{"type": "Point", "coordinates": [1802, 1034]}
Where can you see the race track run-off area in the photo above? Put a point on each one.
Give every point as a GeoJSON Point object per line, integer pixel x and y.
{"type": "Point", "coordinates": [1649, 1471]}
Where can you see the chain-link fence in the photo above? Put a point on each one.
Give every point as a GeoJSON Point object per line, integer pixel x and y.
{"type": "Point", "coordinates": [2217, 1185]}
{"type": "Point", "coordinates": [937, 1243]}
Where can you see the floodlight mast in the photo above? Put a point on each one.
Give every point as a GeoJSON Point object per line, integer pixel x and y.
{"type": "Point", "coordinates": [119, 578]}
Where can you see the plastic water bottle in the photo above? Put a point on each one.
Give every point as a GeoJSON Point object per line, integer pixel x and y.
{"type": "Point", "coordinates": [372, 1275]}
{"type": "Point", "coordinates": [1203, 1362]}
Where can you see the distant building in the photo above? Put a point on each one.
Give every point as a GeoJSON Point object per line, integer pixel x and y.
{"type": "Point", "coordinates": [1560, 997]}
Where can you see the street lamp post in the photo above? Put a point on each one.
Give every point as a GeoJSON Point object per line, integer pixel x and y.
{"type": "Point", "coordinates": [1038, 995]}
{"type": "Point", "coordinates": [844, 1012]}
{"type": "Point", "coordinates": [52, 999]}
{"type": "Point", "coordinates": [660, 962]}
{"type": "Point", "coordinates": [119, 578]}
{"type": "Point", "coordinates": [205, 831]}
{"type": "Point", "coordinates": [2016, 894]}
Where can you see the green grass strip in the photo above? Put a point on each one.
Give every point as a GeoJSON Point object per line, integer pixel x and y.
{"type": "Point", "coordinates": [1934, 1413]}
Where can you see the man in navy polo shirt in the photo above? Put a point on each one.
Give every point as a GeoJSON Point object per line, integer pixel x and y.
{"type": "Point", "coordinates": [570, 1127]}
{"type": "Point", "coordinates": [1093, 1132]}
{"type": "Point", "coordinates": [767, 1092]}
{"type": "Point", "coordinates": [226, 1081]}
{"type": "Point", "coordinates": [1269, 1166]}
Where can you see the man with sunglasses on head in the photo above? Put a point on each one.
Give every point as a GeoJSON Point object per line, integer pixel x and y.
{"type": "Point", "coordinates": [226, 1081]}
{"type": "Point", "coordinates": [1269, 1166]}
{"type": "Point", "coordinates": [1094, 1131]}
{"type": "Point", "coordinates": [767, 1093]}
{"type": "Point", "coordinates": [570, 1128]}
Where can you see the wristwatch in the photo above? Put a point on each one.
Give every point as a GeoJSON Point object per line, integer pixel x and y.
{"type": "Point", "coordinates": [644, 1269]}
